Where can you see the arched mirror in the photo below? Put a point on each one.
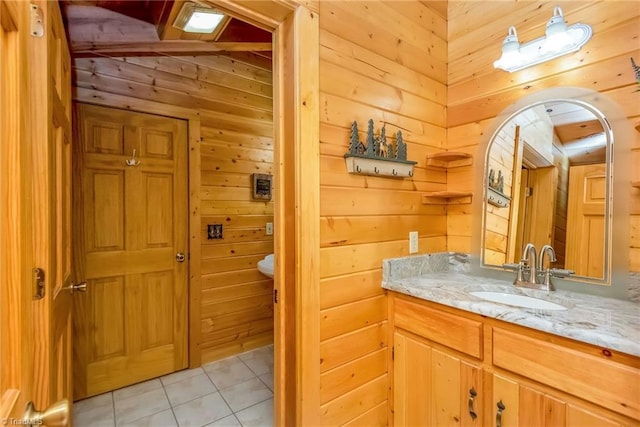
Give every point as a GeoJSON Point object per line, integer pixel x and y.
{"type": "Point", "coordinates": [548, 181]}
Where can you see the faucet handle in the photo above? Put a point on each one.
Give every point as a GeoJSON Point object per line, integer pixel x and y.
{"type": "Point", "coordinates": [511, 266]}
{"type": "Point", "coordinates": [560, 272]}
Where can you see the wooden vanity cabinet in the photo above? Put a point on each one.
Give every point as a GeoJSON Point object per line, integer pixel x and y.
{"type": "Point", "coordinates": [435, 384]}
{"type": "Point", "coordinates": [441, 353]}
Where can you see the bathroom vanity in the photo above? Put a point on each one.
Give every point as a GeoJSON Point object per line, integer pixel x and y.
{"type": "Point", "coordinates": [458, 359]}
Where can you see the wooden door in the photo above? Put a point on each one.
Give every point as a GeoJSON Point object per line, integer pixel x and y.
{"type": "Point", "coordinates": [411, 381]}
{"type": "Point", "coordinates": [585, 253]}
{"type": "Point", "coordinates": [579, 417]}
{"type": "Point", "coordinates": [52, 206]}
{"type": "Point", "coordinates": [525, 406]}
{"type": "Point", "coordinates": [131, 211]}
{"type": "Point", "coordinates": [505, 404]}
{"type": "Point", "coordinates": [434, 387]}
{"type": "Point", "coordinates": [16, 345]}
{"type": "Point", "coordinates": [539, 206]}
{"type": "Point", "coordinates": [35, 185]}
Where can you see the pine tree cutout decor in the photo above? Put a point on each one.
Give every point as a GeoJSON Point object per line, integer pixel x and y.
{"type": "Point", "coordinates": [378, 156]}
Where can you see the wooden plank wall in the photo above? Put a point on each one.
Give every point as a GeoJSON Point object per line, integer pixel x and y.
{"type": "Point", "coordinates": [477, 92]}
{"type": "Point", "coordinates": [386, 61]}
{"type": "Point", "coordinates": [233, 96]}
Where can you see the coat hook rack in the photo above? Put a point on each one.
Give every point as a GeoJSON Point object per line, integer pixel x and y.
{"type": "Point", "coordinates": [132, 161]}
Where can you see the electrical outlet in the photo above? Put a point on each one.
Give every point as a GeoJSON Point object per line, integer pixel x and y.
{"type": "Point", "coordinates": [269, 229]}
{"type": "Point", "coordinates": [413, 242]}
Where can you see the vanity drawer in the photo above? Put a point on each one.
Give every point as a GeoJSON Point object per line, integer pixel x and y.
{"type": "Point", "coordinates": [607, 383]}
{"type": "Point", "coordinates": [456, 332]}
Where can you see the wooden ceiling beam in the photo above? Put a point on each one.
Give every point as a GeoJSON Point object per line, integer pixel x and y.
{"type": "Point", "coordinates": [176, 47]}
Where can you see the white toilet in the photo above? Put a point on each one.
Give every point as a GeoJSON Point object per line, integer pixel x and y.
{"type": "Point", "coordinates": [265, 266]}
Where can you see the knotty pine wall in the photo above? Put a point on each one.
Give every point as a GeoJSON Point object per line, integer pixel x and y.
{"type": "Point", "coordinates": [477, 92]}
{"type": "Point", "coordinates": [386, 61]}
{"type": "Point", "coordinates": [234, 99]}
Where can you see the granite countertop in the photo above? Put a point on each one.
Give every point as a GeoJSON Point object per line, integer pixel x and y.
{"type": "Point", "coordinates": [604, 322]}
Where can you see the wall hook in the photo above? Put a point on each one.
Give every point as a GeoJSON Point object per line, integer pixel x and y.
{"type": "Point", "coordinates": [132, 161]}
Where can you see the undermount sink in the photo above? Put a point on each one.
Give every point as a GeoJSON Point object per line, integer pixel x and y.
{"type": "Point", "coordinates": [517, 300]}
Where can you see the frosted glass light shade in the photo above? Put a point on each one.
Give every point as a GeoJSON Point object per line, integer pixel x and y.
{"type": "Point", "coordinates": [196, 19]}
{"type": "Point", "coordinates": [511, 56]}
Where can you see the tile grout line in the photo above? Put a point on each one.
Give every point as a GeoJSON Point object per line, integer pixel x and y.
{"type": "Point", "coordinates": [170, 404]}
{"type": "Point", "coordinates": [113, 408]}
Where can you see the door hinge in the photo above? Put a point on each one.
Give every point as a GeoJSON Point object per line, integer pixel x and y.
{"type": "Point", "coordinates": [38, 283]}
{"type": "Point", "coordinates": [528, 191]}
{"type": "Point", "coordinates": [393, 353]}
{"type": "Point", "coordinates": [275, 296]}
{"type": "Point", "coordinates": [37, 21]}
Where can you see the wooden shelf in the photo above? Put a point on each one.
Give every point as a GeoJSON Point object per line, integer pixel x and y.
{"type": "Point", "coordinates": [635, 184]}
{"type": "Point", "coordinates": [449, 159]}
{"type": "Point", "coordinates": [446, 198]}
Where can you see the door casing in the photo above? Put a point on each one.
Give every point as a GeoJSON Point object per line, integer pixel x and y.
{"type": "Point", "coordinates": [297, 200]}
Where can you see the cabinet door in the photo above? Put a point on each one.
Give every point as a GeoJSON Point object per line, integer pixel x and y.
{"type": "Point", "coordinates": [525, 406]}
{"type": "Point", "coordinates": [518, 405]}
{"type": "Point", "coordinates": [579, 417]}
{"type": "Point", "coordinates": [411, 382]}
{"type": "Point", "coordinates": [433, 387]}
{"type": "Point", "coordinates": [506, 401]}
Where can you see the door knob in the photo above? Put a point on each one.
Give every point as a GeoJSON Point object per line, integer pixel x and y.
{"type": "Point", "coordinates": [80, 287]}
{"type": "Point", "coordinates": [57, 415]}
{"type": "Point", "coordinates": [180, 257]}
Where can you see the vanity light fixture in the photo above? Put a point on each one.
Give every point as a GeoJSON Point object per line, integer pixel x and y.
{"type": "Point", "coordinates": [559, 39]}
{"type": "Point", "coordinates": [194, 18]}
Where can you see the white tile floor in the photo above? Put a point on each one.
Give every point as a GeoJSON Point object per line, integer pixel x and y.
{"type": "Point", "coordinates": [237, 391]}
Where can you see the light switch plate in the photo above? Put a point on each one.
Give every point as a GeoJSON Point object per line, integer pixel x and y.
{"type": "Point", "coordinates": [269, 229]}
{"type": "Point", "coordinates": [214, 231]}
{"type": "Point", "coordinates": [413, 242]}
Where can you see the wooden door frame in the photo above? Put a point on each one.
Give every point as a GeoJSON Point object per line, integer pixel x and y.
{"type": "Point", "coordinates": [295, 29]}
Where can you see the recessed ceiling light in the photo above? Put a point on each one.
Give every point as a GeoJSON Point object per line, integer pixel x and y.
{"type": "Point", "coordinates": [197, 19]}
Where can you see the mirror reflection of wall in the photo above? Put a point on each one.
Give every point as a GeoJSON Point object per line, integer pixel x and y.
{"type": "Point", "coordinates": [553, 162]}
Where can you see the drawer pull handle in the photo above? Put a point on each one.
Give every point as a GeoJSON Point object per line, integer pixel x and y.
{"type": "Point", "coordinates": [472, 395]}
{"type": "Point", "coordinates": [501, 408]}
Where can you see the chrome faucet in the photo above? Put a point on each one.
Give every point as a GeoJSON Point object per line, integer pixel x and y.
{"type": "Point", "coordinates": [546, 274]}
{"type": "Point", "coordinates": [529, 256]}
{"type": "Point", "coordinates": [528, 265]}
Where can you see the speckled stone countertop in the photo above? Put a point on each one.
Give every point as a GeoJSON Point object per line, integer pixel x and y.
{"type": "Point", "coordinates": [604, 322]}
